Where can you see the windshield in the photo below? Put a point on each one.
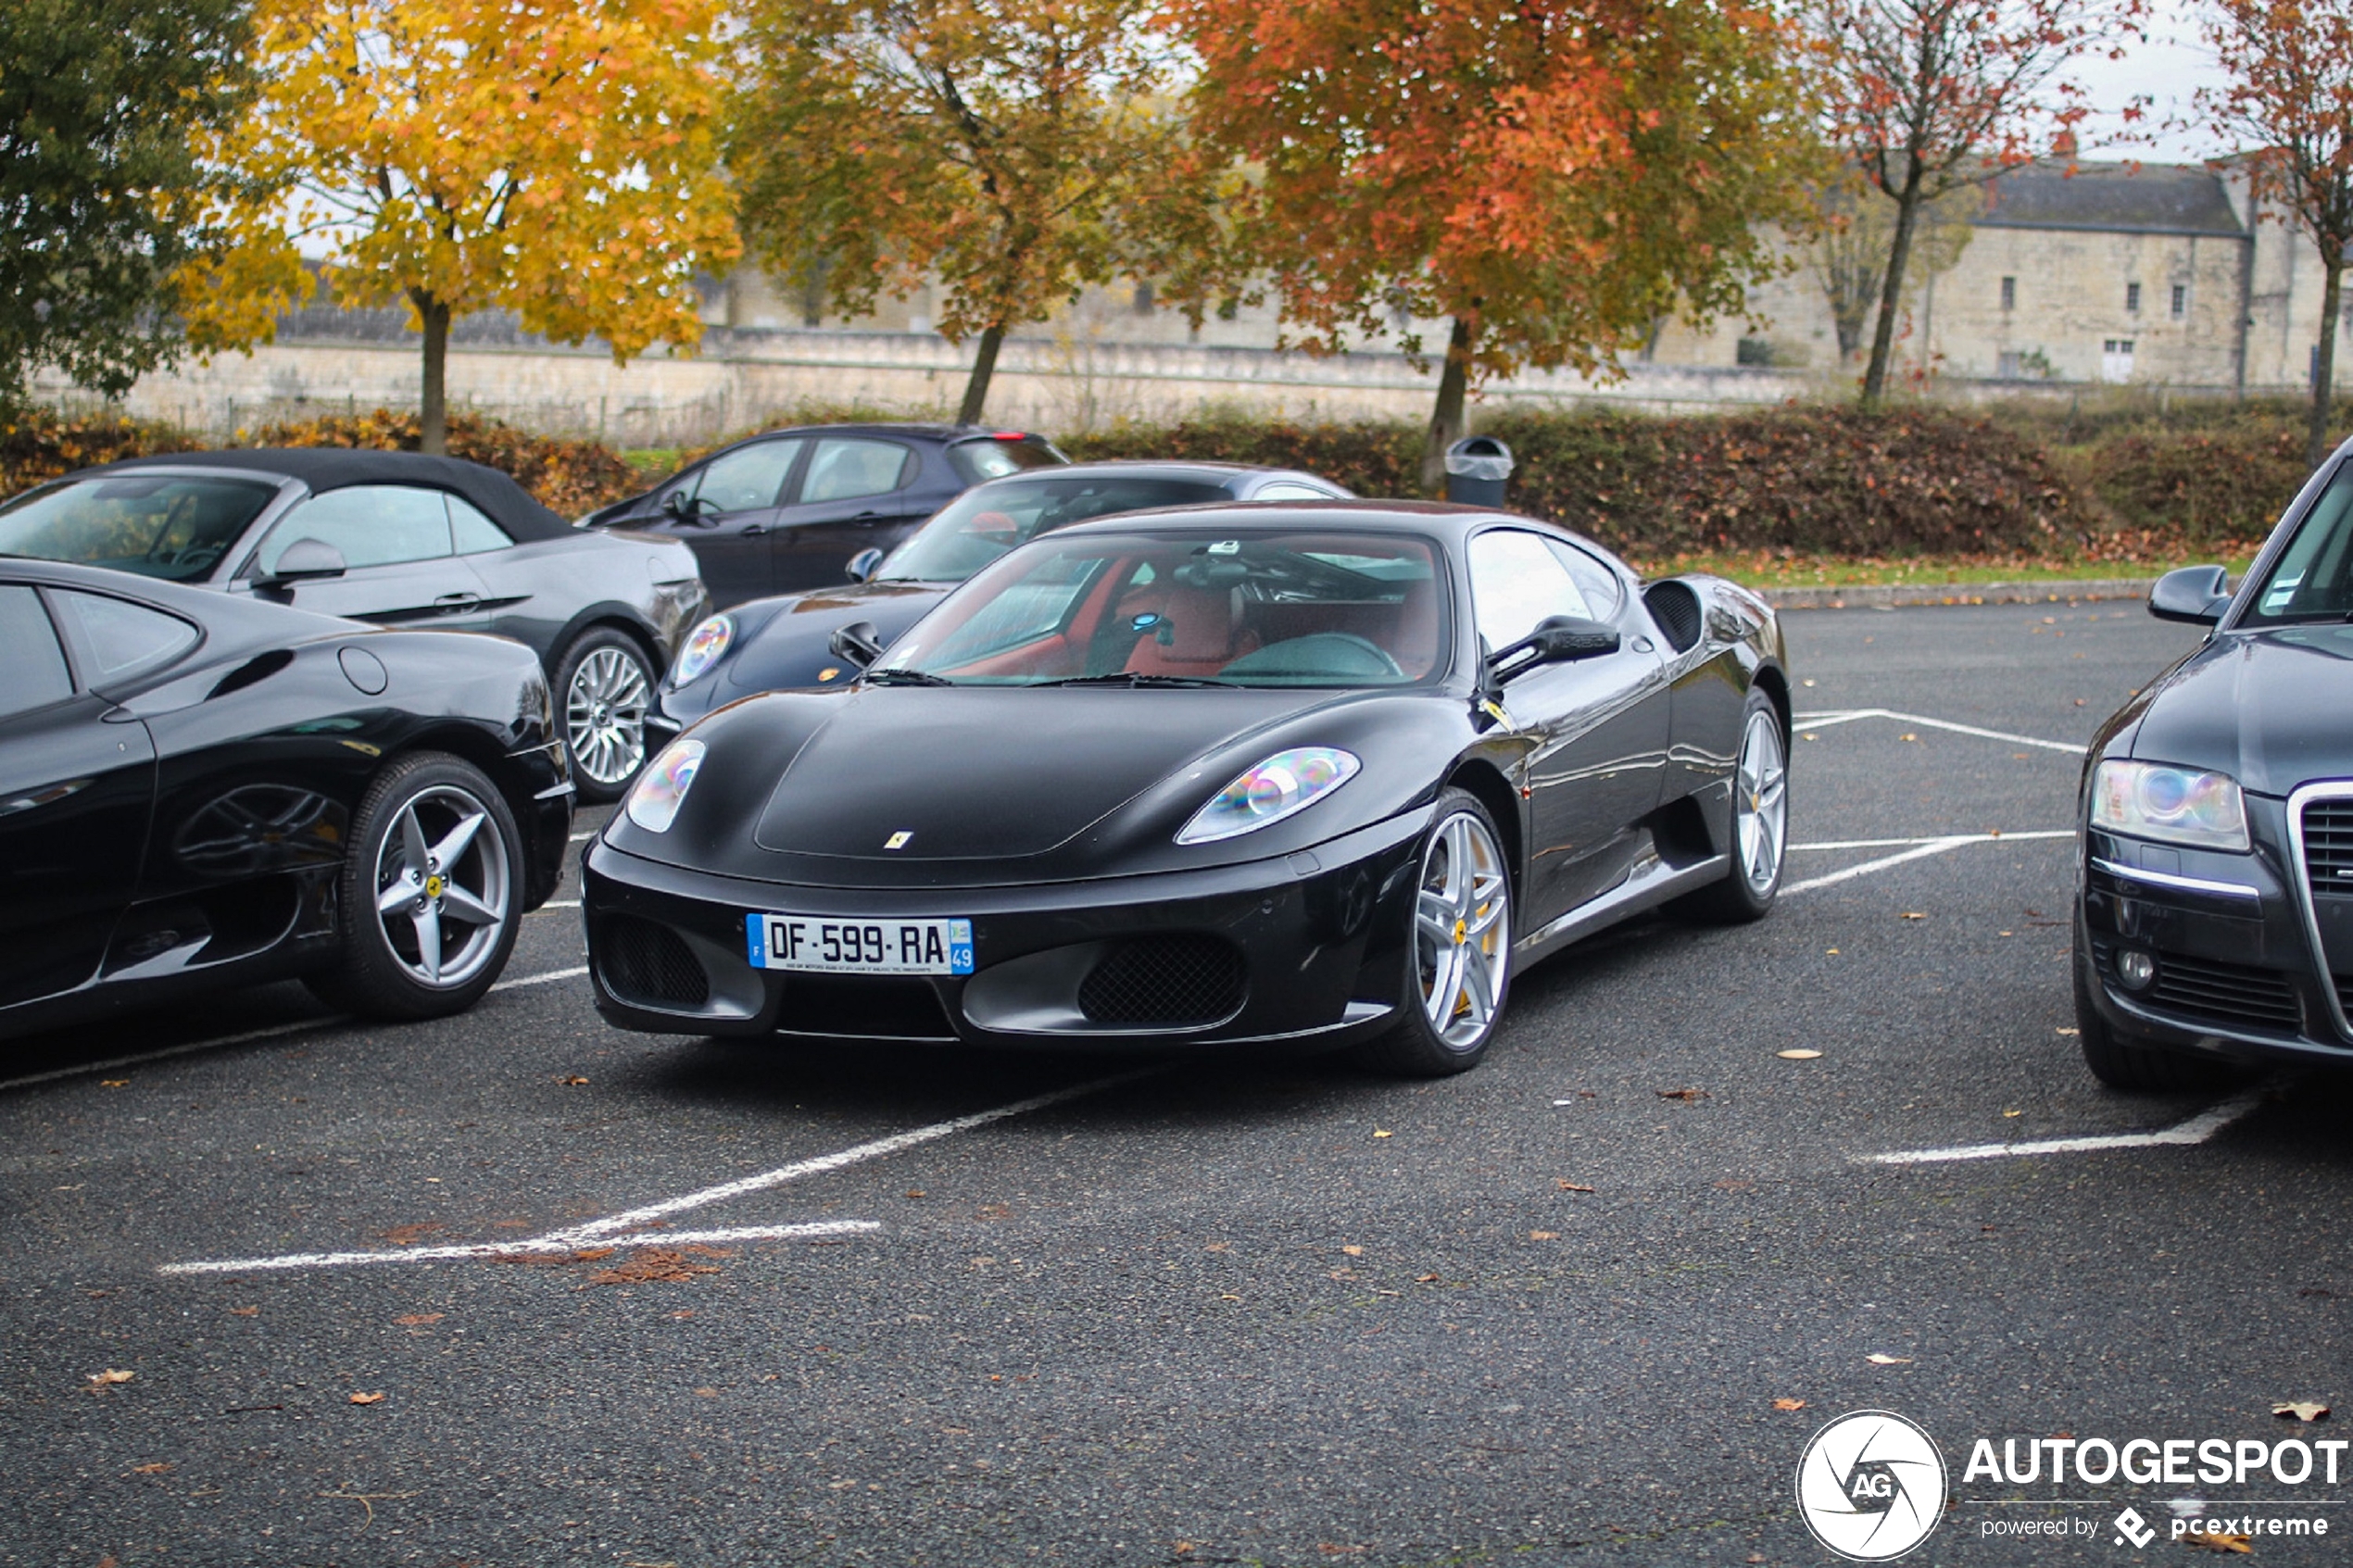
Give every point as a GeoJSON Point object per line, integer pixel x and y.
{"type": "Point", "coordinates": [2313, 578]}
{"type": "Point", "coordinates": [172, 526]}
{"type": "Point", "coordinates": [1270, 609]}
{"type": "Point", "coordinates": [982, 524]}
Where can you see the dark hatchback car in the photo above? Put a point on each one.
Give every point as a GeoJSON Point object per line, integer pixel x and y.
{"type": "Point", "coordinates": [786, 510]}
{"type": "Point", "coordinates": [785, 642]}
{"type": "Point", "coordinates": [201, 790]}
{"type": "Point", "coordinates": [2215, 921]}
{"type": "Point", "coordinates": [397, 539]}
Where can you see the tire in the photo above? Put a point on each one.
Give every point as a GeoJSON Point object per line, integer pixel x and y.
{"type": "Point", "coordinates": [1760, 825]}
{"type": "Point", "coordinates": [430, 893]}
{"type": "Point", "coordinates": [2125, 1063]}
{"type": "Point", "coordinates": [604, 684]}
{"type": "Point", "coordinates": [1458, 965]}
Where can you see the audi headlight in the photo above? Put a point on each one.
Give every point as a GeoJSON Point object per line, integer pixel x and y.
{"type": "Point", "coordinates": [2173, 805]}
{"type": "Point", "coordinates": [704, 646]}
{"type": "Point", "coordinates": [1285, 783]}
{"type": "Point", "coordinates": [661, 788]}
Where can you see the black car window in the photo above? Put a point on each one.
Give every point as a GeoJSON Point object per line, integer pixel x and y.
{"type": "Point", "coordinates": [2313, 578]}
{"type": "Point", "coordinates": [470, 534]}
{"type": "Point", "coordinates": [1515, 582]}
{"type": "Point", "coordinates": [845, 468]}
{"type": "Point", "coordinates": [986, 521]}
{"type": "Point", "coordinates": [1596, 582]}
{"type": "Point", "coordinates": [367, 524]}
{"type": "Point", "coordinates": [746, 479]}
{"type": "Point", "coordinates": [987, 457]}
{"type": "Point", "coordinates": [29, 652]}
{"type": "Point", "coordinates": [173, 526]}
{"type": "Point", "coordinates": [121, 638]}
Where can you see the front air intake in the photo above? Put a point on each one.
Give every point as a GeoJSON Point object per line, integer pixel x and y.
{"type": "Point", "coordinates": [1164, 981]}
{"type": "Point", "coordinates": [649, 965]}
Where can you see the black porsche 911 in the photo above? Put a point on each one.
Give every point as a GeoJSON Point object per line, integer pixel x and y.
{"type": "Point", "coordinates": [1294, 776]}
{"type": "Point", "coordinates": [777, 644]}
{"type": "Point", "coordinates": [399, 539]}
{"type": "Point", "coordinates": [2214, 922]}
{"type": "Point", "coordinates": [199, 790]}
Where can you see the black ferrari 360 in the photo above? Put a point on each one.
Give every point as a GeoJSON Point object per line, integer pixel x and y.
{"type": "Point", "coordinates": [1304, 776]}
{"type": "Point", "coordinates": [199, 790]}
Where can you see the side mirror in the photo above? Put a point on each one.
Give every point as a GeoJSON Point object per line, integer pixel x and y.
{"type": "Point", "coordinates": [305, 560]}
{"type": "Point", "coordinates": [862, 565]}
{"type": "Point", "coordinates": [857, 642]}
{"type": "Point", "coordinates": [686, 507]}
{"type": "Point", "coordinates": [2196, 593]}
{"type": "Point", "coordinates": [1559, 639]}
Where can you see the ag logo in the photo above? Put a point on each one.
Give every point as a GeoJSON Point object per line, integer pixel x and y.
{"type": "Point", "coordinates": [1870, 1486]}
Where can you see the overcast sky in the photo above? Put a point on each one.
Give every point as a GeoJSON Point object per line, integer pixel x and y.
{"type": "Point", "coordinates": [2168, 69]}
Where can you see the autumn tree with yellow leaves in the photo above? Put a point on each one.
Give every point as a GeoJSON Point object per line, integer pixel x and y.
{"type": "Point", "coordinates": [559, 159]}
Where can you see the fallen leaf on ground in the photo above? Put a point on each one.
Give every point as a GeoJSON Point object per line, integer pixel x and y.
{"type": "Point", "coordinates": [1383, 1133]}
{"type": "Point", "coordinates": [114, 1083]}
{"type": "Point", "coordinates": [706, 1393]}
{"type": "Point", "coordinates": [1572, 1187]}
{"type": "Point", "coordinates": [2067, 1031]}
{"type": "Point", "coordinates": [245, 1311]}
{"type": "Point", "coordinates": [1425, 1279]}
{"type": "Point", "coordinates": [1543, 1236]}
{"type": "Point", "coordinates": [412, 1320]}
{"type": "Point", "coordinates": [1354, 1252]}
{"type": "Point", "coordinates": [156, 1469]}
{"type": "Point", "coordinates": [2007, 1114]}
{"type": "Point", "coordinates": [1788, 1404]}
{"type": "Point", "coordinates": [1733, 1185]}
{"type": "Point", "coordinates": [1797, 1055]}
{"type": "Point", "coordinates": [409, 1236]}
{"type": "Point", "coordinates": [1684, 1095]}
{"type": "Point", "coordinates": [367, 1399]}
{"type": "Point", "coordinates": [110, 1377]}
{"type": "Point", "coordinates": [1879, 1359]}
{"type": "Point", "coordinates": [651, 1266]}
{"type": "Point", "coordinates": [1912, 914]}
{"type": "Point", "coordinates": [917, 1192]}
{"type": "Point", "coordinates": [574, 1081]}
{"type": "Point", "coordinates": [2302, 1410]}
{"type": "Point", "coordinates": [1907, 736]}
{"type": "Point", "coordinates": [1831, 951]}
{"type": "Point", "coordinates": [2239, 1544]}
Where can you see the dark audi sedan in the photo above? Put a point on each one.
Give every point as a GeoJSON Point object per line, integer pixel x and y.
{"type": "Point", "coordinates": [395, 539]}
{"type": "Point", "coordinates": [786, 510]}
{"type": "Point", "coordinates": [2215, 924]}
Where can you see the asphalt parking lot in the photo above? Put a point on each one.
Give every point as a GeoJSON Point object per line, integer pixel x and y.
{"type": "Point", "coordinates": [518, 1289]}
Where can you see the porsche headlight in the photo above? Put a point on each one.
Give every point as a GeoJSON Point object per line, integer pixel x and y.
{"type": "Point", "coordinates": [2173, 805]}
{"type": "Point", "coordinates": [704, 646]}
{"type": "Point", "coordinates": [661, 788]}
{"type": "Point", "coordinates": [1286, 783]}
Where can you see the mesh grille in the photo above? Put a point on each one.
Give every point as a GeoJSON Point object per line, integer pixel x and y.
{"type": "Point", "coordinates": [649, 964]}
{"type": "Point", "coordinates": [1164, 980]}
{"type": "Point", "coordinates": [2223, 993]}
{"type": "Point", "coordinates": [2328, 846]}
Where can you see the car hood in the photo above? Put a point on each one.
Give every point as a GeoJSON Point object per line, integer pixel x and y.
{"type": "Point", "coordinates": [2269, 708]}
{"type": "Point", "coordinates": [790, 648]}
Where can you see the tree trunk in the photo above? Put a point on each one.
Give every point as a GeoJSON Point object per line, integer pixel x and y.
{"type": "Point", "coordinates": [1446, 421]}
{"type": "Point", "coordinates": [1891, 293]}
{"type": "Point", "coordinates": [2316, 434]}
{"type": "Point", "coordinates": [984, 368]}
{"type": "Point", "coordinates": [432, 403]}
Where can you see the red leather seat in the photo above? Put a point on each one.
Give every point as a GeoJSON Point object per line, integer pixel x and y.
{"type": "Point", "coordinates": [1204, 629]}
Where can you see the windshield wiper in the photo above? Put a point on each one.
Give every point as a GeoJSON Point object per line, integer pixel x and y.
{"type": "Point", "coordinates": [1136, 678]}
{"type": "Point", "coordinates": [905, 678]}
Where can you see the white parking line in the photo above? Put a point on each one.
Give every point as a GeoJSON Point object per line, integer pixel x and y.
{"type": "Point", "coordinates": [1848, 716]}
{"type": "Point", "coordinates": [1922, 849]}
{"type": "Point", "coordinates": [629, 1229]}
{"type": "Point", "coordinates": [573, 973]}
{"type": "Point", "coordinates": [1933, 838]}
{"type": "Point", "coordinates": [2196, 1130]}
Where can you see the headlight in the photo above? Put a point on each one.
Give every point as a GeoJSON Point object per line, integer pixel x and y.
{"type": "Point", "coordinates": [2175, 804]}
{"type": "Point", "coordinates": [1286, 783]}
{"type": "Point", "coordinates": [661, 788]}
{"type": "Point", "coordinates": [704, 646]}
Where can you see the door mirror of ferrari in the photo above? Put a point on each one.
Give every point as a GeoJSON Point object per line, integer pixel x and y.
{"type": "Point", "coordinates": [1559, 639]}
{"type": "Point", "coordinates": [862, 565]}
{"type": "Point", "coordinates": [305, 560]}
{"type": "Point", "coordinates": [2196, 593]}
{"type": "Point", "coordinates": [858, 642]}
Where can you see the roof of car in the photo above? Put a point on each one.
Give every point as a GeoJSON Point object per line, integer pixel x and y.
{"type": "Point", "coordinates": [1151, 468]}
{"type": "Point", "coordinates": [334, 468]}
{"type": "Point", "coordinates": [1447, 519]}
{"type": "Point", "coordinates": [907, 428]}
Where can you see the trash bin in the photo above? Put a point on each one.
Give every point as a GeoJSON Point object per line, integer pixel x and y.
{"type": "Point", "coordinates": [1476, 469]}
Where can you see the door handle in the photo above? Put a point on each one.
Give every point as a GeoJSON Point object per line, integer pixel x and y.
{"type": "Point", "coordinates": [456, 604]}
{"type": "Point", "coordinates": [754, 532]}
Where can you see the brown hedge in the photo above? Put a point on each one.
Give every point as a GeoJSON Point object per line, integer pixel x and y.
{"type": "Point", "coordinates": [38, 445]}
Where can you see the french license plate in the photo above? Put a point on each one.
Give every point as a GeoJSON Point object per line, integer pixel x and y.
{"type": "Point", "coordinates": [815, 945]}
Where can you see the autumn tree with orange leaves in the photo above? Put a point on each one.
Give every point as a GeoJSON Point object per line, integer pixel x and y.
{"type": "Point", "coordinates": [559, 159]}
{"type": "Point", "coordinates": [1551, 178]}
{"type": "Point", "coordinates": [2290, 99]}
{"type": "Point", "coordinates": [1929, 97]}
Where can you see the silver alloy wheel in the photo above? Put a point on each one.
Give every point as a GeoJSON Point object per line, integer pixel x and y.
{"type": "Point", "coordinates": [1760, 802]}
{"type": "Point", "coordinates": [605, 716]}
{"type": "Point", "coordinates": [443, 887]}
{"type": "Point", "coordinates": [1463, 931]}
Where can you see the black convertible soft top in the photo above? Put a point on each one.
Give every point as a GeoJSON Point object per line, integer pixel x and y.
{"type": "Point", "coordinates": [331, 467]}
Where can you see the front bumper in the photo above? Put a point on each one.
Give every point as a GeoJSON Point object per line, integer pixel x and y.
{"type": "Point", "coordinates": [2236, 975]}
{"type": "Point", "coordinates": [1304, 950]}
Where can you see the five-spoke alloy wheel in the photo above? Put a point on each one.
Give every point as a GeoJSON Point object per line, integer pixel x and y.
{"type": "Point", "coordinates": [1459, 960]}
{"type": "Point", "coordinates": [1759, 826]}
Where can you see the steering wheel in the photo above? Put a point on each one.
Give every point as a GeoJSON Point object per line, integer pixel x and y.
{"type": "Point", "coordinates": [1342, 654]}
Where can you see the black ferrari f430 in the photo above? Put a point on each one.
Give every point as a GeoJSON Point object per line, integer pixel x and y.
{"type": "Point", "coordinates": [199, 790]}
{"type": "Point", "coordinates": [1302, 776]}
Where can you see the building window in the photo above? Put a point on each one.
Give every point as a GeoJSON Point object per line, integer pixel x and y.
{"type": "Point", "coordinates": [1144, 300]}
{"type": "Point", "coordinates": [2009, 293]}
{"type": "Point", "coordinates": [2133, 297]}
{"type": "Point", "coordinates": [2006, 365]}
{"type": "Point", "coordinates": [2181, 300]}
{"type": "Point", "coordinates": [2116, 361]}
